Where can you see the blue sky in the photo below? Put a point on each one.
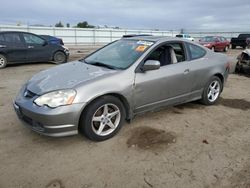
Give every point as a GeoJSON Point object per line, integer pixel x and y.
{"type": "Point", "coordinates": [133, 14]}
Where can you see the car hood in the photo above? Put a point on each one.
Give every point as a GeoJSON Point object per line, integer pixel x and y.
{"type": "Point", "coordinates": [65, 76]}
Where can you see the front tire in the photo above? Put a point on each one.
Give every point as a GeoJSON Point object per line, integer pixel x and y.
{"type": "Point", "coordinates": [60, 57]}
{"type": "Point", "coordinates": [212, 91]}
{"type": "Point", "coordinates": [3, 61]}
{"type": "Point", "coordinates": [102, 119]}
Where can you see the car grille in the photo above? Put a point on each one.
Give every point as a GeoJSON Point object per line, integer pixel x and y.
{"type": "Point", "coordinates": [28, 94]}
{"type": "Point", "coordinates": [29, 121]}
{"type": "Point", "coordinates": [35, 125]}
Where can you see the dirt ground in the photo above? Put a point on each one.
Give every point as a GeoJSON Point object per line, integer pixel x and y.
{"type": "Point", "coordinates": [190, 145]}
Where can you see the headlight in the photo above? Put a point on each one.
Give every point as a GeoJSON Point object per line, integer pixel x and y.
{"type": "Point", "coordinates": [56, 98]}
{"type": "Point", "coordinates": [65, 48]}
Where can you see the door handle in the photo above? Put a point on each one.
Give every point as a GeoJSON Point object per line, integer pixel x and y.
{"type": "Point", "coordinates": [30, 47]}
{"type": "Point", "coordinates": [186, 71]}
{"type": "Point", "coordinates": [3, 46]}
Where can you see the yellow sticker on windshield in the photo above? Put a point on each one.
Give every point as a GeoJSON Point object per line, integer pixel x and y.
{"type": "Point", "coordinates": [141, 48]}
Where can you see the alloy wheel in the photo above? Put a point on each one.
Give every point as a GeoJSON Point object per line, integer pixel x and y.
{"type": "Point", "coordinates": [226, 49]}
{"type": "Point", "coordinates": [2, 61]}
{"type": "Point", "coordinates": [106, 119]}
{"type": "Point", "coordinates": [213, 91]}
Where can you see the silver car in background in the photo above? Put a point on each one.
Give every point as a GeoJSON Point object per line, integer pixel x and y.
{"type": "Point", "coordinates": [95, 95]}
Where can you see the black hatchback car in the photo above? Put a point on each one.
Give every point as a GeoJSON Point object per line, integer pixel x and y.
{"type": "Point", "coordinates": [22, 47]}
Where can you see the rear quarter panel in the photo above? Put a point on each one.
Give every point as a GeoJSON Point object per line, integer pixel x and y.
{"type": "Point", "coordinates": [206, 67]}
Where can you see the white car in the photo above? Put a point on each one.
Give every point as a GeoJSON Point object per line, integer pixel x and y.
{"type": "Point", "coordinates": [185, 36]}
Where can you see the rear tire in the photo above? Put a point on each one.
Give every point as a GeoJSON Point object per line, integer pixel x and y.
{"type": "Point", "coordinates": [60, 57]}
{"type": "Point", "coordinates": [226, 49]}
{"type": "Point", "coordinates": [233, 46]}
{"type": "Point", "coordinates": [212, 91]}
{"type": "Point", "coordinates": [102, 118]}
{"type": "Point", "coordinates": [3, 61]}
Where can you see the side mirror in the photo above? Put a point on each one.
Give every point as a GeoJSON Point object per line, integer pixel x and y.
{"type": "Point", "coordinates": [45, 43]}
{"type": "Point", "coordinates": [151, 65]}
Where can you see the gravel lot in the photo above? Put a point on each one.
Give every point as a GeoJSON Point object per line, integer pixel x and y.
{"type": "Point", "coordinates": [189, 145]}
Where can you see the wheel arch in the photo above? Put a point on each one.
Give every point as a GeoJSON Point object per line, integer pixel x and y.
{"type": "Point", "coordinates": [5, 55]}
{"type": "Point", "coordinates": [221, 77]}
{"type": "Point", "coordinates": [123, 99]}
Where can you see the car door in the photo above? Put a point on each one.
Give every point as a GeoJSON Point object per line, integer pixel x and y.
{"type": "Point", "coordinates": [199, 70]}
{"type": "Point", "coordinates": [37, 49]}
{"type": "Point", "coordinates": [170, 84]}
{"type": "Point", "coordinates": [221, 43]}
{"type": "Point", "coordinates": [13, 47]}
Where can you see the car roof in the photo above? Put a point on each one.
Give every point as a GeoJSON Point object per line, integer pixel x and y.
{"type": "Point", "coordinates": [155, 38]}
{"type": "Point", "coordinates": [2, 32]}
{"type": "Point", "coordinates": [215, 36]}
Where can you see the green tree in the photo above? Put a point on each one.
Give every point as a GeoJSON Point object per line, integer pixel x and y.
{"type": "Point", "coordinates": [84, 24]}
{"type": "Point", "coordinates": [59, 24]}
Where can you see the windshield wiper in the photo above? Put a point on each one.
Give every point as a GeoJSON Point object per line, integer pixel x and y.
{"type": "Point", "coordinates": [96, 63]}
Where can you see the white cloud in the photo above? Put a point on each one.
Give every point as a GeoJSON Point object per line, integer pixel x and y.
{"type": "Point", "coordinates": [153, 14]}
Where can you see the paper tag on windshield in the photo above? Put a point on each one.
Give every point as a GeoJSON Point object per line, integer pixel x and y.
{"type": "Point", "coordinates": [146, 43]}
{"type": "Point", "coordinates": [141, 48]}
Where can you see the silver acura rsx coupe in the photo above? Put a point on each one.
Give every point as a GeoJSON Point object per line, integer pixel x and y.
{"type": "Point", "coordinates": [95, 95]}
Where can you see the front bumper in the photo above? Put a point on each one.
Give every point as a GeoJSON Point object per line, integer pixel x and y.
{"type": "Point", "coordinates": [55, 122]}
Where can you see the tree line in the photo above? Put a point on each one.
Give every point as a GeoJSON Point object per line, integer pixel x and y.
{"type": "Point", "coordinates": [83, 24]}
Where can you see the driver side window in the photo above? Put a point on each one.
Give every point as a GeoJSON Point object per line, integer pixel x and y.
{"type": "Point", "coordinates": [168, 54]}
{"type": "Point", "coordinates": [32, 39]}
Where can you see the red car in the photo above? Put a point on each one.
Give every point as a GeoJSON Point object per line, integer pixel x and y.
{"type": "Point", "coordinates": [215, 43]}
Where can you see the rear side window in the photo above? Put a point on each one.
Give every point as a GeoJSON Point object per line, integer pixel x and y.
{"type": "Point", "coordinates": [224, 39]}
{"type": "Point", "coordinates": [195, 51]}
{"type": "Point", "coordinates": [32, 39]}
{"type": "Point", "coordinates": [244, 36]}
{"type": "Point", "coordinates": [12, 38]}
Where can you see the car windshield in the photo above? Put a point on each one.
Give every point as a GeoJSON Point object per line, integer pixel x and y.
{"type": "Point", "coordinates": [244, 36]}
{"type": "Point", "coordinates": [207, 39]}
{"type": "Point", "coordinates": [120, 54]}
